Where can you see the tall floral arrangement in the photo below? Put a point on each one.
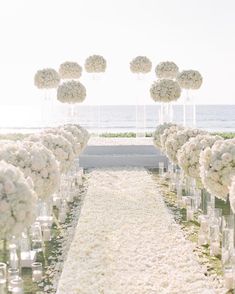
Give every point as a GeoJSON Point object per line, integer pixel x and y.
{"type": "Point", "coordinates": [167, 70]}
{"type": "Point", "coordinates": [95, 64]}
{"type": "Point", "coordinates": [17, 201]}
{"type": "Point", "coordinates": [167, 133]}
{"type": "Point", "coordinates": [165, 90]}
{"type": "Point", "coordinates": [47, 78]}
{"type": "Point", "coordinates": [70, 70]}
{"type": "Point", "coordinates": [141, 64]}
{"type": "Point", "coordinates": [71, 92]}
{"type": "Point", "coordinates": [190, 79]}
{"type": "Point", "coordinates": [159, 131]}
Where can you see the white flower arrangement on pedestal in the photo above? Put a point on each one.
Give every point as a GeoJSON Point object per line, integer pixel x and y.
{"type": "Point", "coordinates": [167, 70]}
{"type": "Point", "coordinates": [59, 146]}
{"type": "Point", "coordinates": [47, 78]}
{"type": "Point", "coordinates": [177, 140]}
{"type": "Point", "coordinates": [71, 92]}
{"type": "Point", "coordinates": [217, 167]}
{"type": "Point", "coordinates": [81, 135]}
{"type": "Point", "coordinates": [165, 90]}
{"type": "Point", "coordinates": [95, 64]}
{"type": "Point", "coordinates": [189, 154]}
{"type": "Point", "coordinates": [77, 147]}
{"type": "Point", "coordinates": [159, 131]}
{"type": "Point", "coordinates": [167, 133]}
{"type": "Point", "coordinates": [232, 194]}
{"type": "Point", "coordinates": [141, 64]}
{"type": "Point", "coordinates": [70, 70]}
{"type": "Point", "coordinates": [36, 162]}
{"type": "Point", "coordinates": [190, 79]}
{"type": "Point", "coordinates": [17, 201]}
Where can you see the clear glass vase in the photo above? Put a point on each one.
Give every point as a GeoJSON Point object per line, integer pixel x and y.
{"type": "Point", "coordinates": [227, 240]}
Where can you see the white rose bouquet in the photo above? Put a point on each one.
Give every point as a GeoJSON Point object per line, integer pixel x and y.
{"type": "Point", "coordinates": [70, 70]}
{"type": "Point", "coordinates": [95, 64]}
{"type": "Point", "coordinates": [36, 162]}
{"type": "Point", "coordinates": [71, 92]}
{"type": "Point", "coordinates": [47, 78]}
{"type": "Point", "coordinates": [177, 140]}
{"type": "Point", "coordinates": [140, 64]}
{"type": "Point", "coordinates": [159, 131]}
{"type": "Point", "coordinates": [81, 135]}
{"type": "Point", "coordinates": [17, 201]}
{"type": "Point", "coordinates": [59, 146]}
{"type": "Point", "coordinates": [167, 133]}
{"type": "Point", "coordinates": [190, 79]}
{"type": "Point", "coordinates": [189, 154]}
{"type": "Point", "coordinates": [165, 90]}
{"type": "Point", "coordinates": [167, 70]}
{"type": "Point", "coordinates": [217, 167]}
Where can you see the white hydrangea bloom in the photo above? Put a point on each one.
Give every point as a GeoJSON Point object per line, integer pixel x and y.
{"type": "Point", "coordinates": [81, 135]}
{"type": "Point", "coordinates": [159, 131]}
{"type": "Point", "coordinates": [70, 70]}
{"type": "Point", "coordinates": [177, 140]}
{"type": "Point", "coordinates": [17, 201]}
{"type": "Point", "coordinates": [190, 79]}
{"type": "Point", "coordinates": [141, 64]}
{"type": "Point", "coordinates": [167, 133]}
{"type": "Point", "coordinates": [95, 64]}
{"type": "Point", "coordinates": [71, 92]}
{"type": "Point", "coordinates": [36, 162]}
{"type": "Point", "coordinates": [167, 70]}
{"type": "Point", "coordinates": [47, 78]}
{"type": "Point", "coordinates": [59, 146]}
{"type": "Point", "coordinates": [165, 90]}
{"type": "Point", "coordinates": [77, 146]}
{"type": "Point", "coordinates": [189, 154]}
{"type": "Point", "coordinates": [217, 167]}
{"type": "Point", "coordinates": [232, 194]}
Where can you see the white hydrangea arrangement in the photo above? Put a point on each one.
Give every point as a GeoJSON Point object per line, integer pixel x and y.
{"type": "Point", "coordinates": [81, 135]}
{"type": "Point", "coordinates": [36, 162]}
{"type": "Point", "coordinates": [77, 147]}
{"type": "Point", "coordinates": [17, 201]}
{"type": "Point", "coordinates": [159, 131]}
{"type": "Point", "coordinates": [190, 79]}
{"type": "Point", "coordinates": [217, 167]}
{"type": "Point", "coordinates": [59, 146]}
{"type": "Point", "coordinates": [167, 133]}
{"type": "Point", "coordinates": [95, 64]}
{"type": "Point", "coordinates": [165, 90]}
{"type": "Point", "coordinates": [141, 64]}
{"type": "Point", "coordinates": [167, 70]}
{"type": "Point", "coordinates": [47, 78]}
{"type": "Point", "coordinates": [70, 70]}
{"type": "Point", "coordinates": [189, 154]}
{"type": "Point", "coordinates": [71, 92]}
{"type": "Point", "coordinates": [177, 140]}
{"type": "Point", "coordinates": [232, 194]}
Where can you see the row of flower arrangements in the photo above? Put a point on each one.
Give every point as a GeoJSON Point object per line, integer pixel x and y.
{"type": "Point", "coordinates": [30, 171]}
{"type": "Point", "coordinates": [208, 159]}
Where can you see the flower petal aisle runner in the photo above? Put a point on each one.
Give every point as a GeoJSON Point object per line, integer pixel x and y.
{"type": "Point", "coordinates": [127, 241]}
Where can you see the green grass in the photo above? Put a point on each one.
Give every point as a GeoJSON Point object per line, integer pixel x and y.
{"type": "Point", "coordinates": [123, 135]}
{"type": "Point", "coordinates": [226, 135]}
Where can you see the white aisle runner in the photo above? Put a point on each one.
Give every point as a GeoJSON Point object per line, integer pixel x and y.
{"type": "Point", "coordinates": [126, 242]}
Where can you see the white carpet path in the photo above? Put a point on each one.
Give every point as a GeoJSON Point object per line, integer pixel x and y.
{"type": "Point", "coordinates": [126, 242]}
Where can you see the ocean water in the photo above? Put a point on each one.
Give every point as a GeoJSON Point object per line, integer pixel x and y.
{"type": "Point", "coordinates": [214, 118]}
{"type": "Point", "coordinates": [122, 118]}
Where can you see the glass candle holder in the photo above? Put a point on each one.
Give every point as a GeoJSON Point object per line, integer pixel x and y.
{"type": "Point", "coordinates": [36, 237]}
{"type": "Point", "coordinates": [161, 168]}
{"type": "Point", "coordinates": [12, 274]}
{"type": "Point", "coordinates": [228, 278]}
{"type": "Point", "coordinates": [227, 239]}
{"type": "Point", "coordinates": [17, 286]}
{"type": "Point", "coordinates": [3, 277]}
{"type": "Point", "coordinates": [46, 232]}
{"type": "Point", "coordinates": [36, 271]}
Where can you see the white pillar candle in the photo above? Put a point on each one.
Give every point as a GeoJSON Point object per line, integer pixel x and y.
{"type": "Point", "coordinates": [37, 275]}
{"type": "Point", "coordinates": [190, 215]}
{"type": "Point", "coordinates": [202, 240]}
{"type": "Point", "coordinates": [228, 280]}
{"type": "Point", "coordinates": [46, 234]}
{"type": "Point", "coordinates": [204, 225]}
{"type": "Point", "coordinates": [215, 248]}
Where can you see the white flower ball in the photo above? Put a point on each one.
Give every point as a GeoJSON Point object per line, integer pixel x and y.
{"type": "Point", "coordinates": [70, 70]}
{"type": "Point", "coordinates": [95, 64]}
{"type": "Point", "coordinates": [17, 201]}
{"type": "Point", "coordinates": [189, 79]}
{"type": "Point", "coordinates": [59, 146]}
{"type": "Point", "coordinates": [165, 90]}
{"type": "Point", "coordinates": [177, 140]}
{"type": "Point", "coordinates": [189, 154]}
{"type": "Point", "coordinates": [71, 92]}
{"type": "Point", "coordinates": [167, 133]}
{"type": "Point", "coordinates": [140, 64]}
{"type": "Point", "coordinates": [167, 70]}
{"type": "Point", "coordinates": [232, 194]}
{"type": "Point", "coordinates": [81, 135]}
{"type": "Point", "coordinates": [47, 78]}
{"type": "Point", "coordinates": [159, 131]}
{"type": "Point", "coordinates": [217, 167]}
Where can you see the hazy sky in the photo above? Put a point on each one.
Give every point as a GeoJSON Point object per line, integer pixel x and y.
{"type": "Point", "coordinates": [195, 34]}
